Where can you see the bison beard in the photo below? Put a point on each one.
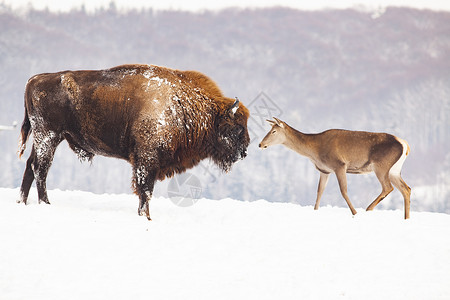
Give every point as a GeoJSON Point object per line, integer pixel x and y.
{"type": "Point", "coordinates": [231, 147]}
{"type": "Point", "coordinates": [160, 120]}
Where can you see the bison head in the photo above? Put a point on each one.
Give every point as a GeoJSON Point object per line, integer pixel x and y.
{"type": "Point", "coordinates": [231, 137]}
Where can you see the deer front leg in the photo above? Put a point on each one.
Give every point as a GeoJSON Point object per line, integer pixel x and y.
{"type": "Point", "coordinates": [322, 184]}
{"type": "Point", "coordinates": [342, 180]}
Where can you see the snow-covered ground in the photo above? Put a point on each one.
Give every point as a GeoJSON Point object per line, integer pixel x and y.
{"type": "Point", "coordinates": [88, 246]}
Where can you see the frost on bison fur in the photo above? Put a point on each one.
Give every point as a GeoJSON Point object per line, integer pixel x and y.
{"type": "Point", "coordinates": [161, 121]}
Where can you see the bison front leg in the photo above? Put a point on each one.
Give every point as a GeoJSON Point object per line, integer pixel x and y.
{"type": "Point", "coordinates": [143, 208]}
{"type": "Point", "coordinates": [144, 181]}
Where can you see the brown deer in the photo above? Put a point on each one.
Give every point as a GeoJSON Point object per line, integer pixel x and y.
{"type": "Point", "coordinates": [343, 151]}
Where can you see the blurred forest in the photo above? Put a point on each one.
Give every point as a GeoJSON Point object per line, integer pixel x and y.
{"type": "Point", "coordinates": [315, 70]}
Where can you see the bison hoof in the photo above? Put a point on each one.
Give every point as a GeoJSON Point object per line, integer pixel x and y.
{"type": "Point", "coordinates": [44, 200]}
{"type": "Point", "coordinates": [148, 216]}
{"type": "Point", "coordinates": [24, 201]}
{"type": "Point", "coordinates": [144, 212]}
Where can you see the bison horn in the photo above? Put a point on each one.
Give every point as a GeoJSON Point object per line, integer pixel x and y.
{"type": "Point", "coordinates": [234, 107]}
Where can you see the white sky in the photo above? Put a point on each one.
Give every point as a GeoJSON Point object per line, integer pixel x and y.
{"type": "Point", "coordinates": [91, 5]}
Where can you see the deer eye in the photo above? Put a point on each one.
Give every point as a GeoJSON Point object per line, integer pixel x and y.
{"type": "Point", "coordinates": [274, 131]}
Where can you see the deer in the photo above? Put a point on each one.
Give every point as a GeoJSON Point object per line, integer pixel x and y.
{"type": "Point", "coordinates": [342, 151]}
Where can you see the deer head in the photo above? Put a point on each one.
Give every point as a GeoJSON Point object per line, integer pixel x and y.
{"type": "Point", "coordinates": [276, 135]}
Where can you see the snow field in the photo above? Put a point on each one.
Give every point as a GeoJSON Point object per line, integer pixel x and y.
{"type": "Point", "coordinates": [88, 246]}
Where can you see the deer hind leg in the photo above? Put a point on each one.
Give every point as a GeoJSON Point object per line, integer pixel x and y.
{"type": "Point", "coordinates": [394, 175]}
{"type": "Point", "coordinates": [383, 178]}
{"type": "Point", "coordinates": [342, 180]}
{"type": "Point", "coordinates": [322, 184]}
{"type": "Point", "coordinates": [401, 185]}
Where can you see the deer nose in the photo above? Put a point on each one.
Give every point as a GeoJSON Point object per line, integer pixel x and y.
{"type": "Point", "coordinates": [260, 145]}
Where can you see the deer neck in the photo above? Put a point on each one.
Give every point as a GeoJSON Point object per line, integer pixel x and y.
{"type": "Point", "coordinates": [301, 143]}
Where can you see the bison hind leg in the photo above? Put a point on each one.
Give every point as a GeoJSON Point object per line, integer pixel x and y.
{"type": "Point", "coordinates": [28, 178]}
{"type": "Point", "coordinates": [44, 145]}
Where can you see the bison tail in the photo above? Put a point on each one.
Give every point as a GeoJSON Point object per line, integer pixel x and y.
{"type": "Point", "coordinates": [24, 133]}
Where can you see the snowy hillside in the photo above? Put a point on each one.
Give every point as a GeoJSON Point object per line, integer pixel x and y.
{"type": "Point", "coordinates": [87, 246]}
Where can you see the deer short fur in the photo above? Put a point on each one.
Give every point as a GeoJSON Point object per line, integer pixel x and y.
{"type": "Point", "coordinates": [344, 151]}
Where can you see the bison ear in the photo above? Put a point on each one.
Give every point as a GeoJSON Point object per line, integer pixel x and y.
{"type": "Point", "coordinates": [232, 110]}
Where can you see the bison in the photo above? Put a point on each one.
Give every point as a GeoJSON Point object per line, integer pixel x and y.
{"type": "Point", "coordinates": [162, 121]}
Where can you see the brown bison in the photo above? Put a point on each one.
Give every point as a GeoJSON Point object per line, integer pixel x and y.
{"type": "Point", "coordinates": [161, 121]}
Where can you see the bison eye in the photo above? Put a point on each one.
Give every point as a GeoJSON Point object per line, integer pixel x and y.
{"type": "Point", "coordinates": [239, 129]}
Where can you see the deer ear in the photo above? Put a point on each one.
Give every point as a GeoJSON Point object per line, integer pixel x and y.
{"type": "Point", "coordinates": [279, 122]}
{"type": "Point", "coordinates": [271, 122]}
